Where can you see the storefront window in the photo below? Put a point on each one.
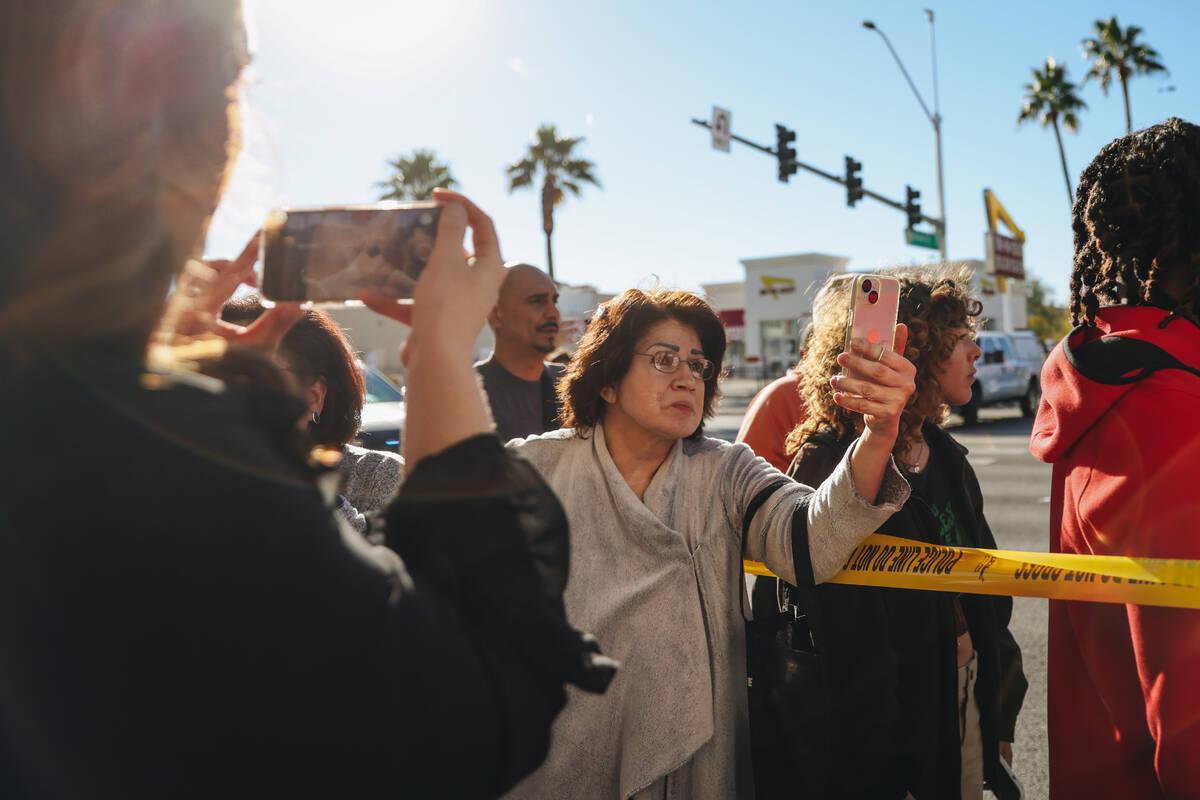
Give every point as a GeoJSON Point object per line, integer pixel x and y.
{"type": "Point", "coordinates": [780, 345]}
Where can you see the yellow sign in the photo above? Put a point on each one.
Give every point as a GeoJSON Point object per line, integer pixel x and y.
{"type": "Point", "coordinates": [776, 286]}
{"type": "Point", "coordinates": [994, 210]}
{"type": "Point", "coordinates": [905, 564]}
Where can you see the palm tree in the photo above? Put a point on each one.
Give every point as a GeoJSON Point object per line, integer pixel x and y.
{"type": "Point", "coordinates": [416, 177]}
{"type": "Point", "coordinates": [1050, 98]}
{"type": "Point", "coordinates": [1114, 50]}
{"type": "Point", "coordinates": [559, 171]}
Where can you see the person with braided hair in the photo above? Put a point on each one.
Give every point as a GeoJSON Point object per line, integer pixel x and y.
{"type": "Point", "coordinates": [1118, 421]}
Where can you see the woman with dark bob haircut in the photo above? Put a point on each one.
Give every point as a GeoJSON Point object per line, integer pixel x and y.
{"type": "Point", "coordinates": [318, 354]}
{"type": "Point", "coordinates": [180, 613]}
{"type": "Point", "coordinates": [661, 518]}
{"type": "Point", "coordinates": [611, 342]}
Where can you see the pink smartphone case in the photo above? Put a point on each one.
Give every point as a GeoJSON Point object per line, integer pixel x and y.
{"type": "Point", "coordinates": [873, 322]}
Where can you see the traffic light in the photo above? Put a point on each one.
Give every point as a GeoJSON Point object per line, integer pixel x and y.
{"type": "Point", "coordinates": [785, 152]}
{"type": "Point", "coordinates": [912, 207]}
{"type": "Point", "coordinates": [854, 190]}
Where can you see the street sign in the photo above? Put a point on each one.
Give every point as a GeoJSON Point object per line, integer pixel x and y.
{"type": "Point", "coordinates": [1005, 256]}
{"type": "Point", "coordinates": [921, 239]}
{"type": "Point", "coordinates": [722, 124]}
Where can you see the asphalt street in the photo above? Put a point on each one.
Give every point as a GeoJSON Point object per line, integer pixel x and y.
{"type": "Point", "coordinates": [1016, 489]}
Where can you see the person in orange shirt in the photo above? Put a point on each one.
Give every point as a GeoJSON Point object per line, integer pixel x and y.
{"type": "Point", "coordinates": [773, 413]}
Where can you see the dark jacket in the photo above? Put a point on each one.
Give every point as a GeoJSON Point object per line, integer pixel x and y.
{"type": "Point", "coordinates": [180, 616]}
{"type": "Point", "coordinates": [887, 678]}
{"type": "Point", "coordinates": [1119, 422]}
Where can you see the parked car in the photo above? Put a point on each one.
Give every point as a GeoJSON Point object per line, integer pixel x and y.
{"type": "Point", "coordinates": [1008, 371]}
{"type": "Point", "coordinates": [382, 414]}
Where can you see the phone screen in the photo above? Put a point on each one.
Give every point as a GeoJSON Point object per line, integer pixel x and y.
{"type": "Point", "coordinates": [874, 302]}
{"type": "Point", "coordinates": [332, 255]}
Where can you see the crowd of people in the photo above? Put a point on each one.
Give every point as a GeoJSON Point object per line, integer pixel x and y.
{"type": "Point", "coordinates": [206, 589]}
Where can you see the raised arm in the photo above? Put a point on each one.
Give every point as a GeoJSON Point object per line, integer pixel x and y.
{"type": "Point", "coordinates": [859, 494]}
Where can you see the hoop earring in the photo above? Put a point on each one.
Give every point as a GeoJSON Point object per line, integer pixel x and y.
{"type": "Point", "coordinates": [316, 418]}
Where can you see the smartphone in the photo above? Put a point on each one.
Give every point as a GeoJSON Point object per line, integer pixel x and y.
{"type": "Point", "coordinates": [874, 303]}
{"type": "Point", "coordinates": [332, 255]}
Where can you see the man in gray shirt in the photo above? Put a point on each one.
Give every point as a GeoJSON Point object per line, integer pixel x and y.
{"type": "Point", "coordinates": [520, 385]}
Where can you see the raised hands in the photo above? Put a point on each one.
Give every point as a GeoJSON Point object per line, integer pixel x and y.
{"type": "Point", "coordinates": [202, 290]}
{"type": "Point", "coordinates": [457, 289]}
{"type": "Point", "coordinates": [879, 383]}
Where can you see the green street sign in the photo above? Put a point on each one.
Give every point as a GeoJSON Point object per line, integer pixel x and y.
{"type": "Point", "coordinates": [921, 239]}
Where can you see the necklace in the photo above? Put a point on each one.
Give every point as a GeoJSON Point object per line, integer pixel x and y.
{"type": "Point", "coordinates": [917, 467]}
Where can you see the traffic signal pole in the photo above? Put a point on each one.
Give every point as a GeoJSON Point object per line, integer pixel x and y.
{"type": "Point", "coordinates": [935, 119]}
{"type": "Point", "coordinates": [841, 181]}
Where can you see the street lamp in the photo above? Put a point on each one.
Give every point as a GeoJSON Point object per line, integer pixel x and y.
{"type": "Point", "coordinates": [935, 119]}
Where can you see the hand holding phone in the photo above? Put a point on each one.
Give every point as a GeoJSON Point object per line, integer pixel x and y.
{"type": "Point", "coordinates": [881, 392]}
{"type": "Point", "coordinates": [449, 308]}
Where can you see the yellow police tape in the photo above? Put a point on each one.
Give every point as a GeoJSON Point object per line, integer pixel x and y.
{"type": "Point", "coordinates": [905, 564]}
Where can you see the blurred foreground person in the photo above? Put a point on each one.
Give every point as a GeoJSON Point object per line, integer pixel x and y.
{"type": "Point", "coordinates": [521, 385]}
{"type": "Point", "coordinates": [180, 614]}
{"type": "Point", "coordinates": [317, 353]}
{"type": "Point", "coordinates": [661, 518]}
{"type": "Point", "coordinates": [911, 693]}
{"type": "Point", "coordinates": [1119, 422]}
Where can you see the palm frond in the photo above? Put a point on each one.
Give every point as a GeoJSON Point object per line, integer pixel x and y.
{"type": "Point", "coordinates": [1113, 50]}
{"type": "Point", "coordinates": [415, 176]}
{"type": "Point", "coordinates": [1049, 96]}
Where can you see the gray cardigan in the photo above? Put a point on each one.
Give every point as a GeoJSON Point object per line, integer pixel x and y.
{"type": "Point", "coordinates": [657, 581]}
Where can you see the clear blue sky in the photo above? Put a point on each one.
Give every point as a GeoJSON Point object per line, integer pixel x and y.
{"type": "Point", "coordinates": [338, 88]}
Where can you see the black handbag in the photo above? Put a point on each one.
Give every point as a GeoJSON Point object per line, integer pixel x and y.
{"type": "Point", "coordinates": [788, 714]}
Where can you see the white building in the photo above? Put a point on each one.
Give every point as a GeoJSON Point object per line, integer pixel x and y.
{"type": "Point", "coordinates": [765, 314]}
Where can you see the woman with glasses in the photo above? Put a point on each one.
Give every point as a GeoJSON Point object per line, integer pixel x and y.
{"type": "Point", "coordinates": [661, 518]}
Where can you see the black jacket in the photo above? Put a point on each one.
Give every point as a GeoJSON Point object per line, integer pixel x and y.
{"type": "Point", "coordinates": [885, 689]}
{"type": "Point", "coordinates": [181, 617]}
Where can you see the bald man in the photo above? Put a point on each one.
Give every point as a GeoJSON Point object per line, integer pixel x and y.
{"type": "Point", "coordinates": [520, 385]}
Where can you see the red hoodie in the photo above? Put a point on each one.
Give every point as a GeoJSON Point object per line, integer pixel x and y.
{"type": "Point", "coordinates": [1124, 680]}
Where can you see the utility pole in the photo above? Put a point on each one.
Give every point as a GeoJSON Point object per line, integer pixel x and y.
{"type": "Point", "coordinates": [935, 119]}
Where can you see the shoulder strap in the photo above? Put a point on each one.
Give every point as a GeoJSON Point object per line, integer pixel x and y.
{"type": "Point", "coordinates": [756, 503]}
{"type": "Point", "coordinates": [763, 495]}
{"type": "Point", "coordinates": [1117, 360]}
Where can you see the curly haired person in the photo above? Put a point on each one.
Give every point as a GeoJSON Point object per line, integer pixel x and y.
{"type": "Point", "coordinates": [1118, 421]}
{"type": "Point", "coordinates": [923, 686]}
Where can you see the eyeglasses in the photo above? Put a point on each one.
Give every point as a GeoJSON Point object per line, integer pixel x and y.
{"type": "Point", "coordinates": [667, 362]}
